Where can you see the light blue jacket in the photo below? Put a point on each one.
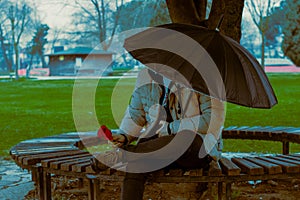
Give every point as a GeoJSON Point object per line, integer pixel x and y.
{"type": "Point", "coordinates": [197, 112]}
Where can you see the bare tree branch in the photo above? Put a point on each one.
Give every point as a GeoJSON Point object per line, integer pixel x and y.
{"type": "Point", "coordinates": [85, 10]}
{"type": "Point", "coordinates": [254, 12]}
{"type": "Point", "coordinates": [259, 11]}
{"type": "Point", "coordinates": [104, 18]}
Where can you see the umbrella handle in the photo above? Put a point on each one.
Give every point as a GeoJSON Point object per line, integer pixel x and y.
{"type": "Point", "coordinates": [220, 22]}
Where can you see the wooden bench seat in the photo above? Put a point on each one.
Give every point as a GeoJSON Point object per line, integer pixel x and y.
{"type": "Point", "coordinates": [65, 155]}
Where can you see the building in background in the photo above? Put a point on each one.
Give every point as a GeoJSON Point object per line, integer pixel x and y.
{"type": "Point", "coordinates": [80, 61]}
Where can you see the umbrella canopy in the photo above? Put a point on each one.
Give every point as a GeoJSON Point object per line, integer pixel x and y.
{"type": "Point", "coordinates": [206, 60]}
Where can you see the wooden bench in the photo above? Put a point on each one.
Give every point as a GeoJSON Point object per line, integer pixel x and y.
{"type": "Point", "coordinates": [65, 155]}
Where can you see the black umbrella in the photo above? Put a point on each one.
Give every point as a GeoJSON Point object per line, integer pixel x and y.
{"type": "Point", "coordinates": [204, 60]}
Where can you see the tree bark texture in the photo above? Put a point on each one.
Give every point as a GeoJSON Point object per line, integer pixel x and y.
{"type": "Point", "coordinates": [231, 25]}
{"type": "Point", "coordinates": [185, 11]}
{"type": "Point", "coordinates": [194, 12]}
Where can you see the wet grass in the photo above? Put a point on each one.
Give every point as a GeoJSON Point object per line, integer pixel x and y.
{"type": "Point", "coordinates": [32, 109]}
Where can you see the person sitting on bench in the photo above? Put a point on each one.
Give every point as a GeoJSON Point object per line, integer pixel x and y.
{"type": "Point", "coordinates": [177, 122]}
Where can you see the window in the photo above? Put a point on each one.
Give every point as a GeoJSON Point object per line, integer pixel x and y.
{"type": "Point", "coordinates": [78, 62]}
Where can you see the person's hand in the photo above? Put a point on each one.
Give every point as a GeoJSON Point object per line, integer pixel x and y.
{"type": "Point", "coordinates": [163, 130]}
{"type": "Point", "coordinates": [119, 140]}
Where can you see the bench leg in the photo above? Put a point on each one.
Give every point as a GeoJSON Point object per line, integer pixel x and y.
{"type": "Point", "coordinates": [93, 187]}
{"type": "Point", "coordinates": [80, 183]}
{"type": "Point", "coordinates": [285, 148]}
{"type": "Point", "coordinates": [47, 185]}
{"type": "Point", "coordinates": [228, 191]}
{"type": "Point", "coordinates": [34, 174]}
{"type": "Point", "coordinates": [43, 183]}
{"type": "Point", "coordinates": [40, 182]}
{"type": "Point", "coordinates": [90, 189]}
{"type": "Point", "coordinates": [220, 190]}
{"type": "Point", "coordinates": [97, 189]}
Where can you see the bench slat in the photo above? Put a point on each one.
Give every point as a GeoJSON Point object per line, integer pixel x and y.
{"type": "Point", "coordinates": [47, 140]}
{"type": "Point", "coordinates": [41, 150]}
{"type": "Point", "coordinates": [67, 166]}
{"type": "Point", "coordinates": [32, 160]}
{"type": "Point", "coordinates": [230, 128]}
{"type": "Point", "coordinates": [287, 167]}
{"type": "Point", "coordinates": [253, 128]}
{"type": "Point", "coordinates": [55, 162]}
{"type": "Point", "coordinates": [293, 130]}
{"type": "Point", "coordinates": [214, 169]}
{"type": "Point", "coordinates": [279, 129]}
{"type": "Point", "coordinates": [286, 160]}
{"type": "Point", "coordinates": [15, 154]}
{"type": "Point", "coordinates": [81, 166]}
{"type": "Point", "coordinates": [196, 172]}
{"type": "Point", "coordinates": [22, 155]}
{"type": "Point", "coordinates": [65, 136]}
{"type": "Point", "coordinates": [176, 172]}
{"type": "Point", "coordinates": [290, 156]}
{"type": "Point", "coordinates": [90, 141]}
{"type": "Point", "coordinates": [242, 128]}
{"type": "Point", "coordinates": [265, 129]}
{"type": "Point", "coordinates": [247, 133]}
{"type": "Point", "coordinates": [258, 129]}
{"type": "Point", "coordinates": [248, 167]}
{"type": "Point", "coordinates": [57, 165]}
{"type": "Point", "coordinates": [41, 144]}
{"type": "Point", "coordinates": [296, 155]}
{"type": "Point", "coordinates": [158, 173]}
{"type": "Point", "coordinates": [270, 168]}
{"type": "Point", "coordinates": [229, 167]}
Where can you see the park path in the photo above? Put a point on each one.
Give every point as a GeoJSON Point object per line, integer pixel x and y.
{"type": "Point", "coordinates": [15, 183]}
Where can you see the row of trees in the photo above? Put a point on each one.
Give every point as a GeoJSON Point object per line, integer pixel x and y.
{"type": "Point", "coordinates": [94, 22]}
{"type": "Point", "coordinates": [97, 21]}
{"type": "Point", "coordinates": [272, 18]}
{"type": "Point", "coordinates": [100, 20]}
{"type": "Point", "coordinates": [19, 23]}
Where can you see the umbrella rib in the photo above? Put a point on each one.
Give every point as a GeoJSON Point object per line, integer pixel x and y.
{"type": "Point", "coordinates": [243, 71]}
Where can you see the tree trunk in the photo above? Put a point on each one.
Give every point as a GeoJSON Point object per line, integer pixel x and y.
{"type": "Point", "coordinates": [42, 57]}
{"type": "Point", "coordinates": [187, 11]}
{"type": "Point", "coordinates": [232, 11]}
{"type": "Point", "coordinates": [263, 50]}
{"type": "Point", "coordinates": [28, 68]}
{"type": "Point", "coordinates": [6, 59]}
{"type": "Point", "coordinates": [217, 10]}
{"type": "Point", "coordinates": [233, 19]}
{"type": "Point", "coordinates": [200, 6]}
{"type": "Point", "coordinates": [5, 56]}
{"type": "Point", "coordinates": [183, 11]}
{"type": "Point", "coordinates": [17, 57]}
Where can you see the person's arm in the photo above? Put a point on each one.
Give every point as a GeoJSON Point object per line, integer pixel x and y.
{"type": "Point", "coordinates": [134, 119]}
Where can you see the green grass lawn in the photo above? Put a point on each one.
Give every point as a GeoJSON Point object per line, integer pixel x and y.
{"type": "Point", "coordinates": [32, 108]}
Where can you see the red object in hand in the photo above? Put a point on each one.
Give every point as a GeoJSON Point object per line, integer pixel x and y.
{"type": "Point", "coordinates": [104, 133]}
